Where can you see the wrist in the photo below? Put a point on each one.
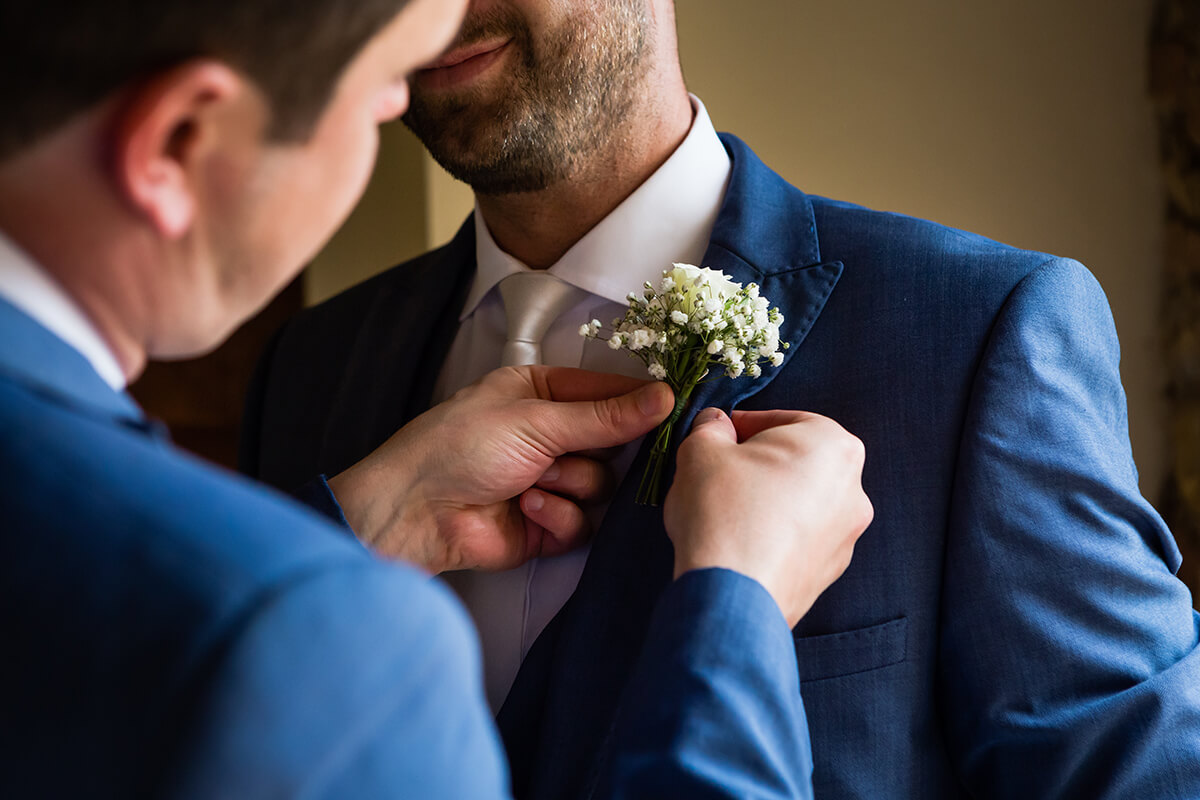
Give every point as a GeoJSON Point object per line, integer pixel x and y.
{"type": "Point", "coordinates": [385, 511]}
{"type": "Point", "coordinates": [711, 557]}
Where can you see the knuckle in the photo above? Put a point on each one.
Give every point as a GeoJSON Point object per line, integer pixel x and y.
{"type": "Point", "coordinates": [866, 514]}
{"type": "Point", "coordinates": [846, 556]}
{"type": "Point", "coordinates": [693, 445]}
{"type": "Point", "coordinates": [853, 449]}
{"type": "Point", "coordinates": [592, 480]}
{"type": "Point", "coordinates": [704, 434]}
{"type": "Point", "coordinates": [609, 414]}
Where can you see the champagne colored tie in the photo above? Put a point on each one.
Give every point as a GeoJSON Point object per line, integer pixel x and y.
{"type": "Point", "coordinates": [532, 301]}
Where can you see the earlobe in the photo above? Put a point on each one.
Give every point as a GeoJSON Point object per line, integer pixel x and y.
{"type": "Point", "coordinates": [162, 138]}
{"type": "Point", "coordinates": [157, 182]}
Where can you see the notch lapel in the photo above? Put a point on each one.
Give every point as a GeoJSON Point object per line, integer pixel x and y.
{"type": "Point", "coordinates": [799, 292]}
{"type": "Point", "coordinates": [558, 716]}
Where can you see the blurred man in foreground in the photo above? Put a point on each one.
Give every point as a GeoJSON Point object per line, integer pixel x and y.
{"type": "Point", "coordinates": [172, 630]}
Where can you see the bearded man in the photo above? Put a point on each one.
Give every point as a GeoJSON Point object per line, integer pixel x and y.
{"type": "Point", "coordinates": [1011, 625]}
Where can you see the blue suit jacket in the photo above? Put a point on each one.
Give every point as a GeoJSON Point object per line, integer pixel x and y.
{"type": "Point", "coordinates": [174, 630]}
{"type": "Point", "coordinates": [1010, 625]}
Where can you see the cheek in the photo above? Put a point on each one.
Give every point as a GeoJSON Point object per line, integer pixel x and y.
{"type": "Point", "coordinates": [349, 158]}
{"type": "Point", "coordinates": [361, 164]}
{"type": "Point", "coordinates": [305, 199]}
{"type": "Point", "coordinates": [342, 168]}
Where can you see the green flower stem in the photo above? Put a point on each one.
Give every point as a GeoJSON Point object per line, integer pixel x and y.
{"type": "Point", "coordinates": [691, 367]}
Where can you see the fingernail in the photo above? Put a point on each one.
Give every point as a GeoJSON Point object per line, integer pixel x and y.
{"type": "Point", "coordinates": [552, 473]}
{"type": "Point", "coordinates": [708, 415]}
{"type": "Point", "coordinates": [534, 501]}
{"type": "Point", "coordinates": [650, 399]}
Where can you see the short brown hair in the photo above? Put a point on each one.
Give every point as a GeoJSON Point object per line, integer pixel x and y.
{"type": "Point", "coordinates": [60, 57]}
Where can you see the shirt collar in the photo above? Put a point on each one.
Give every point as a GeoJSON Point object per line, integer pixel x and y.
{"type": "Point", "coordinates": [31, 289]}
{"type": "Point", "coordinates": [668, 218]}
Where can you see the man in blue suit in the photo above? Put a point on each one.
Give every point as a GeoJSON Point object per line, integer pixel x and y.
{"type": "Point", "coordinates": [1011, 625]}
{"type": "Point", "coordinates": [173, 630]}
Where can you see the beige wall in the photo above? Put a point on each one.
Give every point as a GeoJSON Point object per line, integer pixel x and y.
{"type": "Point", "coordinates": [1024, 120]}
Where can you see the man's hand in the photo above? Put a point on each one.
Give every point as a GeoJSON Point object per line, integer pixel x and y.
{"type": "Point", "coordinates": [775, 495]}
{"type": "Point", "coordinates": [454, 489]}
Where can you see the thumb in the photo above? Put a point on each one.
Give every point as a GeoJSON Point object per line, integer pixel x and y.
{"type": "Point", "coordinates": [713, 425]}
{"type": "Point", "coordinates": [596, 424]}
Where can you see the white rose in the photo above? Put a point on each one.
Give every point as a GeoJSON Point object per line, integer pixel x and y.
{"type": "Point", "coordinates": [698, 284]}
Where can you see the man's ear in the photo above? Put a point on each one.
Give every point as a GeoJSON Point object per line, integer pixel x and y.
{"type": "Point", "coordinates": [161, 137]}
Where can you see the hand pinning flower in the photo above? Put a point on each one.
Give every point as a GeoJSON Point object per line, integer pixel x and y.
{"type": "Point", "coordinates": [695, 318]}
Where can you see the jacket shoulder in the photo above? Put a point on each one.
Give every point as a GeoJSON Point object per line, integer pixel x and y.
{"type": "Point", "coordinates": [129, 571]}
{"type": "Point", "coordinates": [857, 234]}
{"type": "Point", "coordinates": [393, 665]}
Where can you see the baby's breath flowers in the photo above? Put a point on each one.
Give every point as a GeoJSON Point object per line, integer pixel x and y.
{"type": "Point", "coordinates": [696, 317]}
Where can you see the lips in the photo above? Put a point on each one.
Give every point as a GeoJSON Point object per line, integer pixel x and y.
{"type": "Point", "coordinates": [462, 64]}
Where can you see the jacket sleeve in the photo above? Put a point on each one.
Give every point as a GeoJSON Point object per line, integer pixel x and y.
{"type": "Point", "coordinates": [1068, 659]}
{"type": "Point", "coordinates": [713, 709]}
{"type": "Point", "coordinates": [355, 682]}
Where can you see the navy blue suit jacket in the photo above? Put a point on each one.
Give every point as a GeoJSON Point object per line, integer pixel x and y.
{"type": "Point", "coordinates": [1010, 626]}
{"type": "Point", "coordinates": [174, 630]}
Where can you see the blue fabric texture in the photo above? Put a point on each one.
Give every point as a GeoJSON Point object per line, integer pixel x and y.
{"type": "Point", "coordinates": [738, 736]}
{"type": "Point", "coordinates": [173, 630]}
{"type": "Point", "coordinates": [1010, 626]}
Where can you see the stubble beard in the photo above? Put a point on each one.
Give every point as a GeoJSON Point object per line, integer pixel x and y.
{"type": "Point", "coordinates": [561, 106]}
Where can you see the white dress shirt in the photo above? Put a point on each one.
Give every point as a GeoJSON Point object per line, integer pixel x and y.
{"type": "Point", "coordinates": [668, 219]}
{"type": "Point", "coordinates": [31, 289]}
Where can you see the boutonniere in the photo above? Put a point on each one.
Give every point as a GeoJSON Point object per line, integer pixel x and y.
{"type": "Point", "coordinates": [695, 319]}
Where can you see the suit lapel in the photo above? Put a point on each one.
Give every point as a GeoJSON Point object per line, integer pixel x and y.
{"type": "Point", "coordinates": [800, 293]}
{"type": "Point", "coordinates": [557, 718]}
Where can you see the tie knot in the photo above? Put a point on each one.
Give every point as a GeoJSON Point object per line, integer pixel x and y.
{"type": "Point", "coordinates": [532, 301]}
